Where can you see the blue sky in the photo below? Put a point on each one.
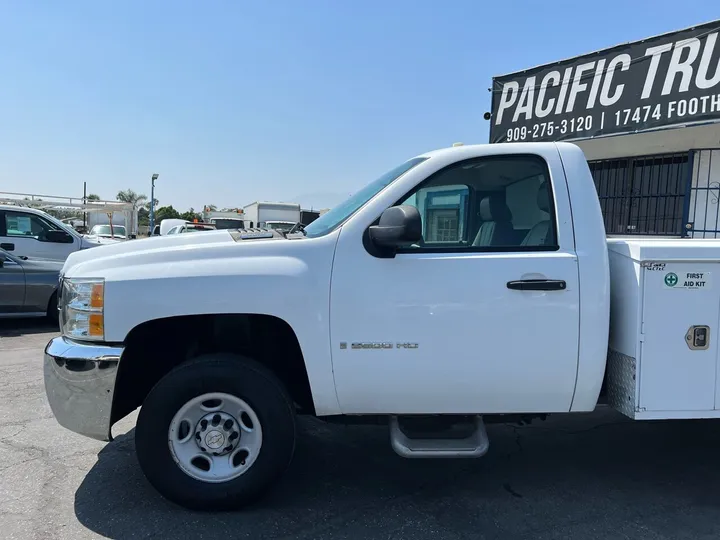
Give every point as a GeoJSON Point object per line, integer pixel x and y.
{"type": "Point", "coordinates": [305, 101]}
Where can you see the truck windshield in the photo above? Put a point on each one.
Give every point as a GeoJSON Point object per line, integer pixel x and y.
{"type": "Point", "coordinates": [227, 223]}
{"type": "Point", "coordinates": [117, 230]}
{"type": "Point", "coordinates": [339, 214]}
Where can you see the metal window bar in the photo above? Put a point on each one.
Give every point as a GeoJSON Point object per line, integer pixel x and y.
{"type": "Point", "coordinates": [703, 207]}
{"type": "Point", "coordinates": [643, 195]}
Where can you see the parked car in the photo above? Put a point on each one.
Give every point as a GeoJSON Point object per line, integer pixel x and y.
{"type": "Point", "coordinates": [28, 288]}
{"type": "Point", "coordinates": [191, 227]}
{"type": "Point", "coordinates": [29, 232]}
{"type": "Point", "coordinates": [170, 223]}
{"type": "Point", "coordinates": [103, 233]}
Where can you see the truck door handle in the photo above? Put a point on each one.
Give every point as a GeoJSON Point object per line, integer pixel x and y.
{"type": "Point", "coordinates": [7, 247]}
{"type": "Point", "coordinates": [537, 285]}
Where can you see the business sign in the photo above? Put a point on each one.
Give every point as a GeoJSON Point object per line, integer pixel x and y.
{"type": "Point", "coordinates": [658, 82]}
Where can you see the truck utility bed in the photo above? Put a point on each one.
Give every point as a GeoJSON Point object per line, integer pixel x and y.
{"type": "Point", "coordinates": [664, 316]}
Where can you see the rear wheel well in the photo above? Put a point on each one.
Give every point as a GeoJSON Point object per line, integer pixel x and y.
{"type": "Point", "coordinates": [155, 347]}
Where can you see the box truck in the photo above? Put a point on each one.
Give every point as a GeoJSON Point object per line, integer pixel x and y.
{"type": "Point", "coordinates": [272, 215]}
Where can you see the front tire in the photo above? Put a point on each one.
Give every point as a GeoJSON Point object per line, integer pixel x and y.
{"type": "Point", "coordinates": [215, 433]}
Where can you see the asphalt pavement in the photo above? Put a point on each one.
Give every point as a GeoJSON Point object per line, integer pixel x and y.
{"type": "Point", "coordinates": [582, 477]}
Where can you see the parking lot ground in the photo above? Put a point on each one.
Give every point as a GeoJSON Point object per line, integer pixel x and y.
{"type": "Point", "coordinates": [574, 476]}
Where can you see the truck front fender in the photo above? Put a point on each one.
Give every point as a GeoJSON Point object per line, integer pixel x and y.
{"type": "Point", "coordinates": [289, 288]}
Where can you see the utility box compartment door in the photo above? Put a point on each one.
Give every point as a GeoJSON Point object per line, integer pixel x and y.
{"type": "Point", "coordinates": [673, 375]}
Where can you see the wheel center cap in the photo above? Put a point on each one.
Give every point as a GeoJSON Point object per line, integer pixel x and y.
{"type": "Point", "coordinates": [214, 439]}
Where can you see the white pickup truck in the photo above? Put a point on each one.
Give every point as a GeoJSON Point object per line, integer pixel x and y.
{"type": "Point", "coordinates": [467, 285]}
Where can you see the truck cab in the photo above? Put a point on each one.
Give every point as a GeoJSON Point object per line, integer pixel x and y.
{"type": "Point", "coordinates": [29, 232]}
{"type": "Point", "coordinates": [464, 284]}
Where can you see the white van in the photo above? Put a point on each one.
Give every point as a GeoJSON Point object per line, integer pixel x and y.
{"type": "Point", "coordinates": [28, 232]}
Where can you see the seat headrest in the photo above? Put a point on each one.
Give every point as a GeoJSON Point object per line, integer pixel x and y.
{"type": "Point", "coordinates": [493, 208]}
{"type": "Point", "coordinates": [543, 199]}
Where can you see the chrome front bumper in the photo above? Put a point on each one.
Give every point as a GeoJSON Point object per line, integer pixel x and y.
{"type": "Point", "coordinates": [80, 384]}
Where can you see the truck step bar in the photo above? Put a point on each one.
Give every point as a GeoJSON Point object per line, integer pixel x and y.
{"type": "Point", "coordinates": [474, 445]}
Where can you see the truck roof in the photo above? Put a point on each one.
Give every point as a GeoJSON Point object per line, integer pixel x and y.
{"type": "Point", "coordinates": [479, 149]}
{"type": "Point", "coordinates": [18, 208]}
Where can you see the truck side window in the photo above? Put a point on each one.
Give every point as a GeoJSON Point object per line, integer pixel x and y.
{"type": "Point", "coordinates": [20, 224]}
{"type": "Point", "coordinates": [498, 203]}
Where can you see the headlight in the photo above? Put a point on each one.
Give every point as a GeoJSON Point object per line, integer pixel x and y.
{"type": "Point", "coordinates": [81, 314]}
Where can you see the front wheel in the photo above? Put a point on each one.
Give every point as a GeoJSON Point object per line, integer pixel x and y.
{"type": "Point", "coordinates": [215, 433]}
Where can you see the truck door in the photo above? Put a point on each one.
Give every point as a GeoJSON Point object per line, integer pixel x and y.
{"type": "Point", "coordinates": [27, 234]}
{"type": "Point", "coordinates": [482, 315]}
{"type": "Point", "coordinates": [12, 286]}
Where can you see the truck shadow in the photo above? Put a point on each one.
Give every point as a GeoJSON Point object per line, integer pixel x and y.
{"type": "Point", "coordinates": [570, 475]}
{"type": "Point", "coordinates": [26, 327]}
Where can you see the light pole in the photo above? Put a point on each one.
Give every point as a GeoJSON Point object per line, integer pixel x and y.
{"type": "Point", "coordinates": [152, 203]}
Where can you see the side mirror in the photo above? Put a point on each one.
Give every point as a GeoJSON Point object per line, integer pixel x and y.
{"type": "Point", "coordinates": [58, 237]}
{"type": "Point", "coordinates": [398, 225]}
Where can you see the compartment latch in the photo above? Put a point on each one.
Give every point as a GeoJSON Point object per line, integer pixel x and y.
{"type": "Point", "coordinates": [698, 337]}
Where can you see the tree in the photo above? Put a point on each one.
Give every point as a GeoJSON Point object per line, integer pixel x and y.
{"type": "Point", "coordinates": [139, 201]}
{"type": "Point", "coordinates": [190, 215]}
{"type": "Point", "coordinates": [129, 196]}
{"type": "Point", "coordinates": [211, 207]}
{"type": "Point", "coordinates": [93, 197]}
{"type": "Point", "coordinates": [143, 216]}
{"type": "Point", "coordinates": [166, 212]}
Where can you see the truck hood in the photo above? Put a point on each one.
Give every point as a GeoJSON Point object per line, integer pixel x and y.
{"type": "Point", "coordinates": [86, 243]}
{"type": "Point", "coordinates": [165, 249]}
{"type": "Point", "coordinates": [102, 239]}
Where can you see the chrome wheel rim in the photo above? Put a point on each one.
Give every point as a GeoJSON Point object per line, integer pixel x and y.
{"type": "Point", "coordinates": [215, 437]}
